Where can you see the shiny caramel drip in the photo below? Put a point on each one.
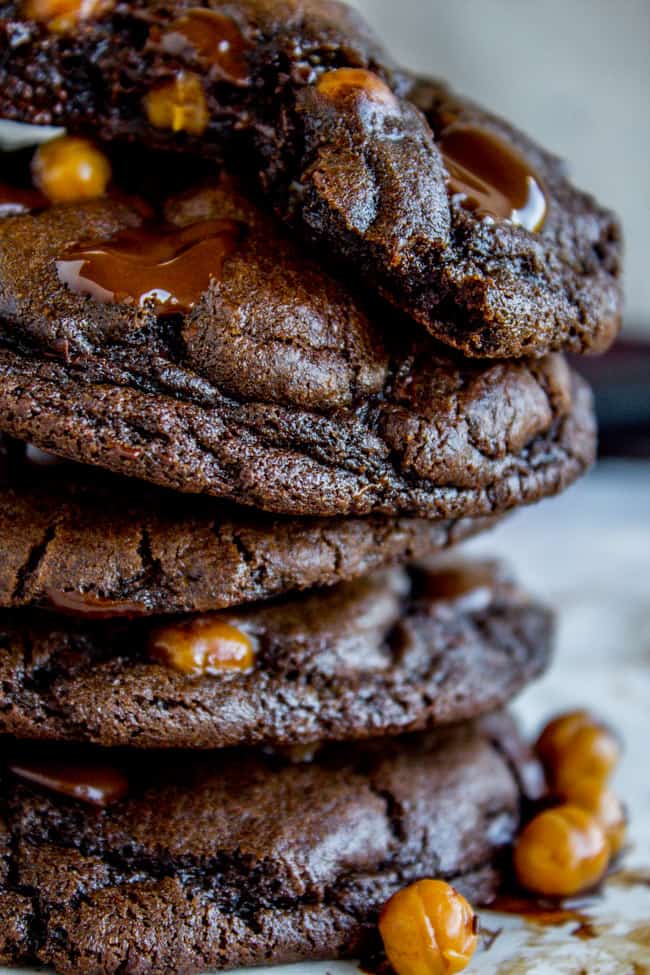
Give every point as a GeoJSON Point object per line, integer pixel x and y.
{"type": "Point", "coordinates": [202, 645]}
{"type": "Point", "coordinates": [87, 605]}
{"type": "Point", "coordinates": [214, 38]}
{"type": "Point", "coordinates": [166, 269]}
{"type": "Point", "coordinates": [96, 784]}
{"type": "Point", "coordinates": [491, 178]}
{"type": "Point", "coordinates": [15, 200]}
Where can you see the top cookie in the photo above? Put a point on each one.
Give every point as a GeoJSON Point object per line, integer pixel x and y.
{"type": "Point", "coordinates": [457, 218]}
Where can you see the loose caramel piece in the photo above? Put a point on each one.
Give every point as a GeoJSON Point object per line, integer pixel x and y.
{"type": "Point", "coordinates": [561, 852]}
{"type": "Point", "coordinates": [69, 169]}
{"type": "Point", "coordinates": [556, 734]}
{"type": "Point", "coordinates": [574, 746]}
{"type": "Point", "coordinates": [62, 15]}
{"type": "Point", "coordinates": [179, 105]}
{"type": "Point", "coordinates": [96, 784]}
{"type": "Point", "coordinates": [202, 645]}
{"type": "Point", "coordinates": [592, 795]}
{"type": "Point", "coordinates": [341, 81]}
{"type": "Point", "coordinates": [428, 929]}
{"type": "Point", "coordinates": [592, 751]}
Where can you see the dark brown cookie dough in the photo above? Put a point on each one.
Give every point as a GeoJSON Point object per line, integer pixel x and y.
{"type": "Point", "coordinates": [391, 652]}
{"type": "Point", "coordinates": [74, 537]}
{"type": "Point", "coordinates": [465, 442]}
{"type": "Point", "coordinates": [275, 388]}
{"type": "Point", "coordinates": [235, 859]}
{"type": "Point", "coordinates": [348, 161]}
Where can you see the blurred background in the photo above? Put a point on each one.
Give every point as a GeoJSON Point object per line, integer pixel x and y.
{"type": "Point", "coordinates": [575, 74]}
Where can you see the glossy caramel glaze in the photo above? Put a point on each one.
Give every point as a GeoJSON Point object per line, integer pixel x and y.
{"type": "Point", "coordinates": [166, 269]}
{"type": "Point", "coordinates": [491, 178]}
{"type": "Point", "coordinates": [97, 784]}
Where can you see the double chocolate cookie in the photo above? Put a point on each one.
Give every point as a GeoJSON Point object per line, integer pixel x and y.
{"type": "Point", "coordinates": [397, 651]}
{"type": "Point", "coordinates": [235, 858]}
{"type": "Point", "coordinates": [81, 541]}
{"type": "Point", "coordinates": [462, 222]}
{"type": "Point", "coordinates": [207, 354]}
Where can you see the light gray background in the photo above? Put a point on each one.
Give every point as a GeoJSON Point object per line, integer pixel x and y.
{"type": "Point", "coordinates": [573, 73]}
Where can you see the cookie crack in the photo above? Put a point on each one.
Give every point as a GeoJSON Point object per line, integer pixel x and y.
{"type": "Point", "coordinates": [32, 564]}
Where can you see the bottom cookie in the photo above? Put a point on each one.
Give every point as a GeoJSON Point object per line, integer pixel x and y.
{"type": "Point", "coordinates": [242, 858]}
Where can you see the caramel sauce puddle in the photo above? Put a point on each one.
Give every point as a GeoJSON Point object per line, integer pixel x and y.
{"type": "Point", "coordinates": [491, 178]}
{"type": "Point", "coordinates": [167, 269]}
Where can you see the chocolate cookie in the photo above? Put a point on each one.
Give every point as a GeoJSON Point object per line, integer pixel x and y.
{"type": "Point", "coordinates": [460, 220]}
{"type": "Point", "coordinates": [233, 858]}
{"type": "Point", "coordinates": [392, 652]}
{"type": "Point", "coordinates": [79, 540]}
{"type": "Point", "coordinates": [209, 355]}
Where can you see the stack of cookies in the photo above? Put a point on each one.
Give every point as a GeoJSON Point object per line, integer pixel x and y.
{"type": "Point", "coordinates": [279, 323]}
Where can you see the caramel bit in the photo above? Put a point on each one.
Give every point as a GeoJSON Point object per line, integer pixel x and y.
{"type": "Point", "coordinates": [68, 170]}
{"type": "Point", "coordinates": [63, 15]}
{"type": "Point", "coordinates": [165, 268]}
{"type": "Point", "coordinates": [202, 645]}
{"type": "Point", "coordinates": [179, 105]}
{"type": "Point", "coordinates": [428, 929]}
{"type": "Point", "coordinates": [566, 850]}
{"type": "Point", "coordinates": [592, 795]}
{"type": "Point", "coordinates": [561, 852]}
{"type": "Point", "coordinates": [214, 38]}
{"type": "Point", "coordinates": [491, 178]}
{"type": "Point", "coordinates": [96, 784]}
{"type": "Point", "coordinates": [577, 745]}
{"type": "Point", "coordinates": [341, 81]}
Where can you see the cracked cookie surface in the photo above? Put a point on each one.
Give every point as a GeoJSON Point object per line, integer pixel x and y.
{"type": "Point", "coordinates": [357, 169]}
{"type": "Point", "coordinates": [75, 537]}
{"type": "Point", "coordinates": [396, 651]}
{"type": "Point", "coordinates": [277, 388]}
{"type": "Point", "coordinates": [145, 885]}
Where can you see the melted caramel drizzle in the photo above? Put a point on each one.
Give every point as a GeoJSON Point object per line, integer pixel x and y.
{"type": "Point", "coordinates": [167, 269]}
{"type": "Point", "coordinates": [89, 606]}
{"type": "Point", "coordinates": [96, 784]}
{"type": "Point", "coordinates": [15, 200]}
{"type": "Point", "coordinates": [491, 178]}
{"type": "Point", "coordinates": [214, 38]}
